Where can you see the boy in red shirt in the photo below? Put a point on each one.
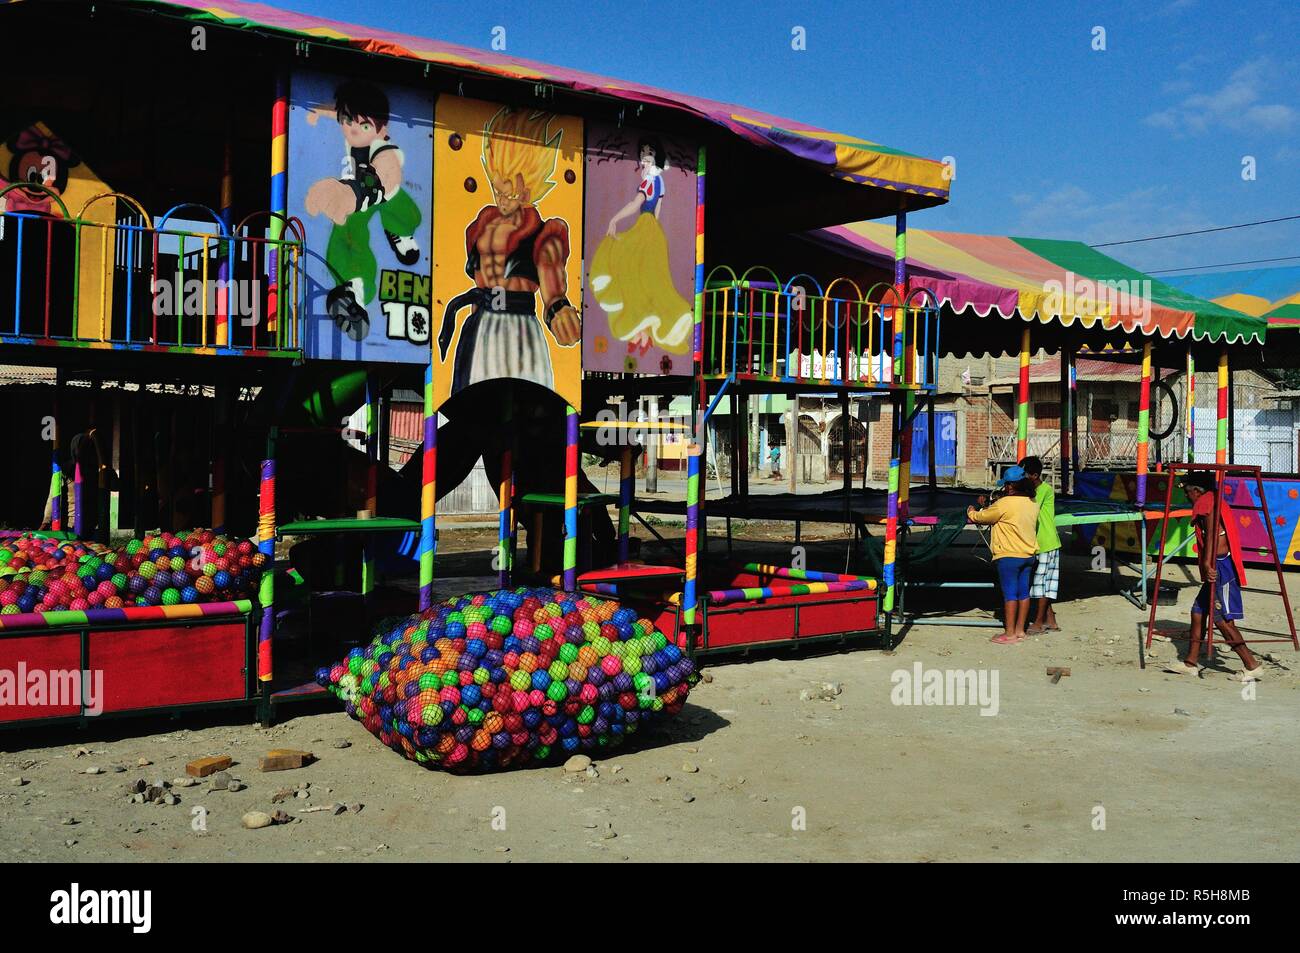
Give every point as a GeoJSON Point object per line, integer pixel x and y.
{"type": "Point", "coordinates": [1222, 580]}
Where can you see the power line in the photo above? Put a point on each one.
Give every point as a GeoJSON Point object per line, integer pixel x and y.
{"type": "Point", "coordinates": [1226, 264]}
{"type": "Point", "coordinates": [1199, 231]}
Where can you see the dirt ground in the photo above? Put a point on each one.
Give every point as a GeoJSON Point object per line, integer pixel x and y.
{"type": "Point", "coordinates": [1114, 762]}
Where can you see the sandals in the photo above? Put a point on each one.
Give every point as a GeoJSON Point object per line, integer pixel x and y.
{"type": "Point", "coordinates": [1182, 668]}
{"type": "Point", "coordinates": [1250, 675]}
{"type": "Point", "coordinates": [1002, 638]}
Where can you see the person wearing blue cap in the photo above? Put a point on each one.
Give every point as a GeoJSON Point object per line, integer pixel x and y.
{"type": "Point", "coordinates": [1014, 542]}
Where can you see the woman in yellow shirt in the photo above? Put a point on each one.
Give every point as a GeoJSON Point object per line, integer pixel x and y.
{"type": "Point", "coordinates": [1014, 518]}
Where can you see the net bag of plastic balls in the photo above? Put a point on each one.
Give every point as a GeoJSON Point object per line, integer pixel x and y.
{"type": "Point", "coordinates": [495, 679]}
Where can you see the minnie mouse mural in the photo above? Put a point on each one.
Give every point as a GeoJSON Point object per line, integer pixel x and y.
{"type": "Point", "coordinates": [38, 157]}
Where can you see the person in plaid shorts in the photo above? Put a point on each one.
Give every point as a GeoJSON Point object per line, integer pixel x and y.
{"type": "Point", "coordinates": [1047, 573]}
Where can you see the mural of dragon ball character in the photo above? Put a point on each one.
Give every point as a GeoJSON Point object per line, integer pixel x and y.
{"type": "Point", "coordinates": [513, 255]}
{"type": "Point", "coordinates": [371, 184]}
{"type": "Point", "coordinates": [630, 273]}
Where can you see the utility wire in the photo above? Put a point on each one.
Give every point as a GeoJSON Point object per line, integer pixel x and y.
{"type": "Point", "coordinates": [1199, 231]}
{"type": "Point", "coordinates": [1226, 264]}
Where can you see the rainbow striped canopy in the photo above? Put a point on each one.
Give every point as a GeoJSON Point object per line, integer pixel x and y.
{"type": "Point", "coordinates": [1044, 279]}
{"type": "Point", "coordinates": [845, 157]}
{"type": "Point", "coordinates": [1269, 293]}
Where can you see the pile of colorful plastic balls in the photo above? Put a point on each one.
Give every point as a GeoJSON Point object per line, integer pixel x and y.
{"type": "Point", "coordinates": [504, 678]}
{"type": "Point", "coordinates": [41, 574]}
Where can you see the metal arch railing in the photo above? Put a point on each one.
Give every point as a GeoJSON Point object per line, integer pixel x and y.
{"type": "Point", "coordinates": [142, 284]}
{"type": "Point", "coordinates": [796, 331]}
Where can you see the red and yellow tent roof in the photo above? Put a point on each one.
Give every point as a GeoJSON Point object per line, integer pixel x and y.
{"type": "Point", "coordinates": [842, 156]}
{"type": "Point", "coordinates": [1045, 280]}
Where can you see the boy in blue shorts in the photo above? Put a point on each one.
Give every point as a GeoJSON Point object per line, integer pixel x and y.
{"type": "Point", "coordinates": [1014, 541]}
{"type": "Point", "coordinates": [1222, 580]}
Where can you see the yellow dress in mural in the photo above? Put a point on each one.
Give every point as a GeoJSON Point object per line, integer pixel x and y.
{"type": "Point", "coordinates": [631, 279]}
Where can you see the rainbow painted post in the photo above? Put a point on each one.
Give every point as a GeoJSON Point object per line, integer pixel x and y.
{"type": "Point", "coordinates": [690, 591]}
{"type": "Point", "coordinates": [700, 401]}
{"type": "Point", "coordinates": [752, 593]}
{"type": "Point", "coordinates": [698, 338]}
{"type": "Point", "coordinates": [226, 214]}
{"type": "Point", "coordinates": [891, 536]}
{"type": "Point", "coordinates": [625, 479]}
{"type": "Point", "coordinates": [806, 575]}
{"type": "Point", "coordinates": [1190, 427]}
{"type": "Point", "coordinates": [428, 494]}
{"type": "Point", "coordinates": [266, 546]}
{"type": "Point", "coordinates": [102, 616]}
{"type": "Point", "coordinates": [1067, 415]}
{"type": "Point", "coordinates": [56, 493]}
{"type": "Point", "coordinates": [1144, 424]}
{"type": "Point", "coordinates": [1022, 400]}
{"type": "Point", "coordinates": [279, 195]}
{"type": "Point", "coordinates": [56, 471]}
{"type": "Point", "coordinates": [570, 499]}
{"type": "Point", "coordinates": [1074, 414]}
{"type": "Point", "coordinates": [78, 503]}
{"type": "Point", "coordinates": [505, 500]}
{"type": "Point", "coordinates": [1221, 433]}
{"type": "Point", "coordinates": [903, 360]}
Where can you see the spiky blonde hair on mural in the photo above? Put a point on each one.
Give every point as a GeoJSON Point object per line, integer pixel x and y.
{"type": "Point", "coordinates": [519, 142]}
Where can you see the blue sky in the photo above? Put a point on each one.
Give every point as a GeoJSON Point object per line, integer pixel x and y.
{"type": "Point", "coordinates": [1052, 138]}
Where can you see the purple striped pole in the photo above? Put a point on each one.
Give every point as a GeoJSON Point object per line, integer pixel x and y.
{"type": "Point", "coordinates": [571, 500]}
{"type": "Point", "coordinates": [428, 494]}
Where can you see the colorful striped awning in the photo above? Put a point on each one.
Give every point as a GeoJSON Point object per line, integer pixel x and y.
{"type": "Point", "coordinates": [1269, 293]}
{"type": "Point", "coordinates": [1045, 280]}
{"type": "Point", "coordinates": [844, 157]}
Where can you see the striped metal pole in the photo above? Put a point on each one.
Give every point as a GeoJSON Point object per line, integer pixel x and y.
{"type": "Point", "coordinates": [571, 499]}
{"type": "Point", "coordinates": [690, 591]}
{"type": "Point", "coordinates": [266, 546]}
{"type": "Point", "coordinates": [226, 213]}
{"type": "Point", "coordinates": [902, 365]}
{"type": "Point", "coordinates": [505, 499]}
{"type": "Point", "coordinates": [625, 478]}
{"type": "Point", "coordinates": [1191, 406]}
{"type": "Point", "coordinates": [1144, 424]}
{"type": "Point", "coordinates": [700, 400]}
{"type": "Point", "coordinates": [891, 535]}
{"type": "Point", "coordinates": [1221, 435]}
{"type": "Point", "coordinates": [1022, 403]}
{"type": "Point", "coordinates": [78, 503]}
{"type": "Point", "coordinates": [279, 197]}
{"type": "Point", "coordinates": [428, 494]}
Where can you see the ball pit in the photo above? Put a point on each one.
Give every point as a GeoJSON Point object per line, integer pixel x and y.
{"type": "Point", "coordinates": [39, 574]}
{"type": "Point", "coordinates": [511, 677]}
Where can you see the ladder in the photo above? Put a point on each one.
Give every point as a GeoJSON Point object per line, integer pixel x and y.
{"type": "Point", "coordinates": [1221, 473]}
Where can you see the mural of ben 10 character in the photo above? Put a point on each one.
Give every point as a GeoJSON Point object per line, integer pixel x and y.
{"type": "Point", "coordinates": [513, 254]}
{"type": "Point", "coordinates": [630, 274]}
{"type": "Point", "coordinates": [371, 182]}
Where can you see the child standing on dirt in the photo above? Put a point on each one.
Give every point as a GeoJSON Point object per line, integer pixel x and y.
{"type": "Point", "coordinates": [1222, 579]}
{"type": "Point", "coordinates": [1047, 570]}
{"type": "Point", "coordinates": [1014, 518]}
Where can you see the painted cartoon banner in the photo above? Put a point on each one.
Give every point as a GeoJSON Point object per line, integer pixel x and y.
{"type": "Point", "coordinates": [37, 154]}
{"type": "Point", "coordinates": [640, 249]}
{"type": "Point", "coordinates": [508, 188]}
{"type": "Point", "coordinates": [360, 171]}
